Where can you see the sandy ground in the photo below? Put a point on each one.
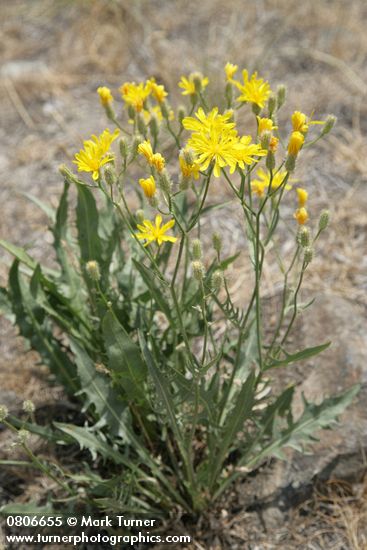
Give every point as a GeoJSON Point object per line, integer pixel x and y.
{"type": "Point", "coordinates": [54, 54]}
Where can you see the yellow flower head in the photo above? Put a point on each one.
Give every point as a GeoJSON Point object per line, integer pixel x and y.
{"type": "Point", "coordinates": [189, 169]}
{"type": "Point", "coordinates": [146, 150]}
{"type": "Point", "coordinates": [157, 90]}
{"type": "Point", "coordinates": [149, 187]}
{"type": "Point", "coordinates": [158, 162]}
{"type": "Point", "coordinates": [105, 95]}
{"type": "Point", "coordinates": [295, 143]}
{"type": "Point", "coordinates": [265, 125]}
{"type": "Point", "coordinates": [302, 196]}
{"type": "Point", "coordinates": [194, 83]}
{"type": "Point", "coordinates": [299, 122]}
{"type": "Point", "coordinates": [135, 94]}
{"type": "Point", "coordinates": [301, 215]}
{"type": "Point", "coordinates": [259, 185]}
{"type": "Point", "coordinates": [207, 122]}
{"type": "Point", "coordinates": [155, 232]}
{"type": "Point", "coordinates": [254, 90]}
{"type": "Point", "coordinates": [230, 71]}
{"type": "Point", "coordinates": [94, 154]}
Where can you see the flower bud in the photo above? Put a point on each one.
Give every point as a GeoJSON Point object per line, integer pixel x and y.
{"type": "Point", "coordinates": [3, 412]}
{"type": "Point", "coordinates": [184, 183]}
{"type": "Point", "coordinates": [290, 163]}
{"type": "Point", "coordinates": [124, 149]}
{"type": "Point", "coordinates": [272, 105]}
{"type": "Point", "coordinates": [110, 175]}
{"type": "Point", "coordinates": [217, 242]}
{"type": "Point", "coordinates": [308, 255]}
{"type": "Point", "coordinates": [324, 220]}
{"type": "Point", "coordinates": [131, 112]}
{"type": "Point", "coordinates": [281, 95]}
{"type": "Point", "coordinates": [181, 113]}
{"type": "Point", "coordinates": [301, 215]}
{"type": "Point", "coordinates": [135, 144]}
{"type": "Point", "coordinates": [296, 141]}
{"type": "Point", "coordinates": [141, 124]}
{"type": "Point", "coordinates": [139, 215]}
{"type": "Point", "coordinates": [198, 270]}
{"type": "Point", "coordinates": [270, 160]}
{"type": "Point", "coordinates": [256, 109]}
{"type": "Point", "coordinates": [217, 281]}
{"type": "Point", "coordinates": [229, 93]}
{"type": "Point", "coordinates": [265, 139]}
{"type": "Point", "coordinates": [67, 174]}
{"type": "Point", "coordinates": [303, 236]}
{"type": "Point", "coordinates": [105, 95]}
{"type": "Point", "coordinates": [23, 436]}
{"type": "Point", "coordinates": [154, 125]}
{"type": "Point", "coordinates": [148, 185]}
{"type": "Point", "coordinates": [196, 249]}
{"type": "Point", "coordinates": [165, 182]}
{"type": "Point", "coordinates": [93, 270]}
{"type": "Point", "coordinates": [302, 196]}
{"type": "Point", "coordinates": [187, 156]}
{"type": "Point", "coordinates": [329, 125]}
{"type": "Point", "coordinates": [28, 406]}
{"type": "Point", "coordinates": [165, 108]}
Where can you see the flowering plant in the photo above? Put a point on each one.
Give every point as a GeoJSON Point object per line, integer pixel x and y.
{"type": "Point", "coordinates": [175, 409]}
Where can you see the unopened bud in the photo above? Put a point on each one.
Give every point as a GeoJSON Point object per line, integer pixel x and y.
{"type": "Point", "coordinates": [184, 183]}
{"type": "Point", "coordinates": [198, 270]}
{"type": "Point", "coordinates": [3, 412]}
{"type": "Point", "coordinates": [131, 112]}
{"type": "Point", "coordinates": [217, 280]}
{"type": "Point", "coordinates": [217, 242]}
{"type": "Point", "coordinates": [28, 406]}
{"type": "Point", "coordinates": [265, 139]}
{"type": "Point", "coordinates": [229, 93]}
{"type": "Point", "coordinates": [324, 220]}
{"type": "Point", "coordinates": [329, 125]}
{"type": "Point", "coordinates": [110, 175]}
{"type": "Point", "coordinates": [141, 124]}
{"type": "Point", "coordinates": [165, 182]}
{"type": "Point", "coordinates": [67, 174]}
{"type": "Point", "coordinates": [181, 113]}
{"type": "Point", "coordinates": [281, 95]}
{"type": "Point", "coordinates": [290, 163]}
{"type": "Point", "coordinates": [93, 271]}
{"type": "Point", "coordinates": [303, 237]}
{"type": "Point", "coordinates": [188, 156]}
{"type": "Point", "coordinates": [270, 160]}
{"type": "Point", "coordinates": [196, 249]}
{"type": "Point", "coordinates": [135, 144]}
{"type": "Point", "coordinates": [139, 215]}
{"type": "Point", "coordinates": [165, 108]}
{"type": "Point", "coordinates": [308, 255]}
{"type": "Point", "coordinates": [153, 125]}
{"type": "Point", "coordinates": [272, 105]}
{"type": "Point", "coordinates": [123, 147]}
{"type": "Point", "coordinates": [256, 109]}
{"type": "Point", "coordinates": [23, 436]}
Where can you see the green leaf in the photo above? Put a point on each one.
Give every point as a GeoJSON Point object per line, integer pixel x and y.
{"type": "Point", "coordinates": [234, 423]}
{"type": "Point", "coordinates": [125, 360]}
{"type": "Point", "coordinates": [87, 224]}
{"type": "Point", "coordinates": [299, 356]}
{"type": "Point", "coordinates": [20, 254]}
{"type": "Point", "coordinates": [30, 508]}
{"type": "Point", "coordinates": [5, 305]}
{"type": "Point", "coordinates": [46, 208]}
{"type": "Point", "coordinates": [228, 261]}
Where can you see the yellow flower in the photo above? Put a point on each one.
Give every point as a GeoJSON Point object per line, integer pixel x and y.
{"type": "Point", "coordinates": [135, 94]}
{"type": "Point", "coordinates": [254, 90]}
{"type": "Point", "coordinates": [230, 71]}
{"type": "Point", "coordinates": [301, 215]}
{"type": "Point", "coordinates": [145, 149]}
{"type": "Point", "coordinates": [158, 162]}
{"type": "Point", "coordinates": [206, 122]}
{"type": "Point", "coordinates": [94, 155]}
{"type": "Point", "coordinates": [263, 181]}
{"type": "Point", "coordinates": [299, 122]}
{"type": "Point", "coordinates": [302, 196]}
{"type": "Point", "coordinates": [105, 95]}
{"type": "Point", "coordinates": [295, 143]}
{"type": "Point", "coordinates": [155, 232]}
{"type": "Point", "coordinates": [189, 170]}
{"type": "Point", "coordinates": [189, 85]}
{"type": "Point", "coordinates": [149, 187]}
{"type": "Point", "coordinates": [157, 90]}
{"type": "Point", "coordinates": [265, 125]}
